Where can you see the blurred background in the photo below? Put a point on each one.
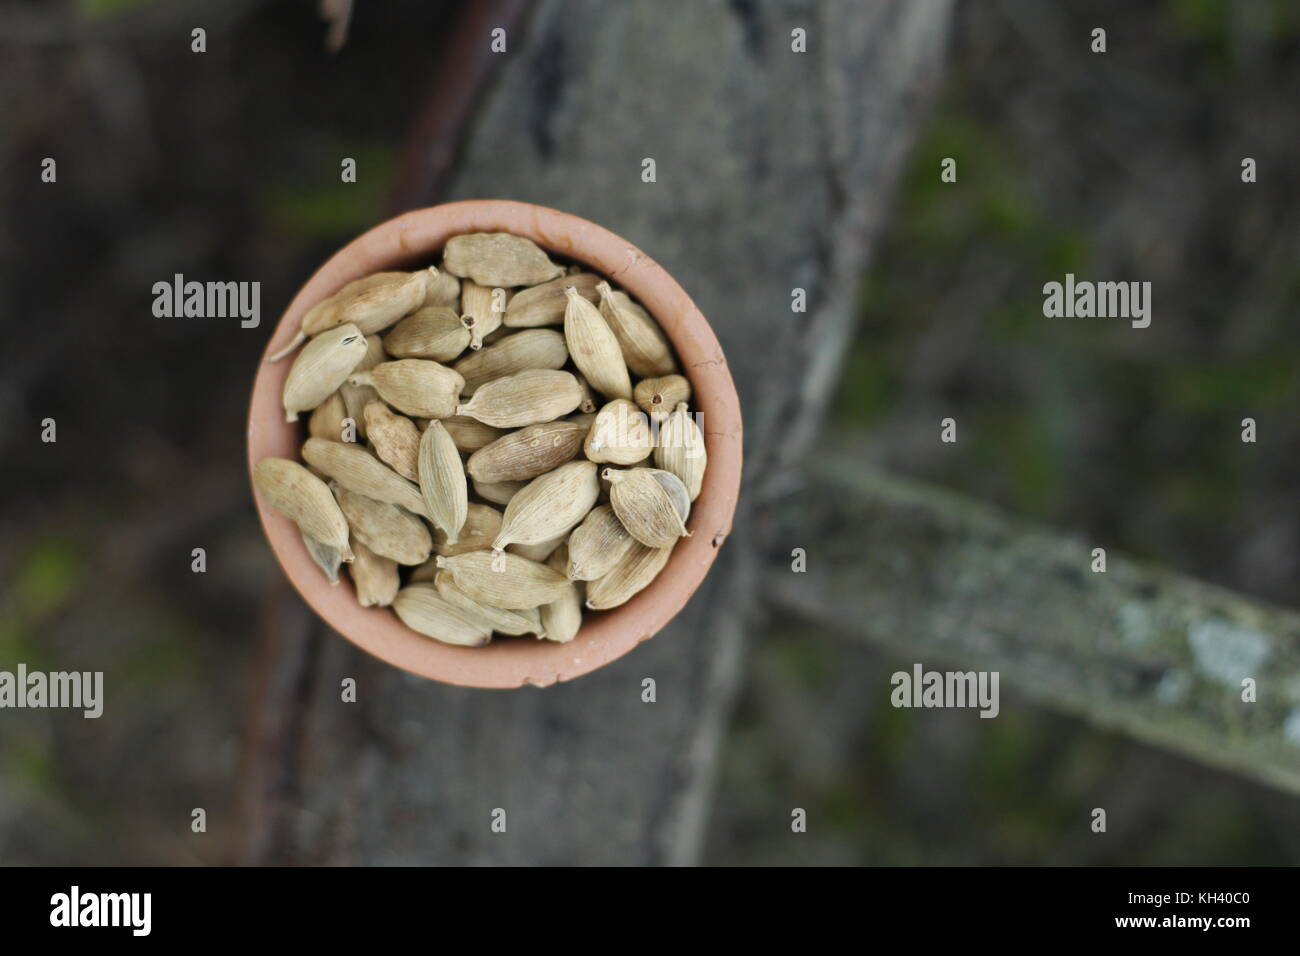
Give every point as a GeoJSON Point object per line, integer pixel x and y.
{"type": "Point", "coordinates": [224, 166]}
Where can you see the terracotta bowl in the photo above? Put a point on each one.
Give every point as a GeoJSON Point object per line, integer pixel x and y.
{"type": "Point", "coordinates": [414, 240]}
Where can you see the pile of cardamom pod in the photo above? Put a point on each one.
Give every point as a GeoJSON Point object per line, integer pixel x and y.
{"type": "Point", "coordinates": [501, 380]}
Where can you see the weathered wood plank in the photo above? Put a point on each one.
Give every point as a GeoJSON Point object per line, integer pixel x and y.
{"type": "Point", "coordinates": [773, 170]}
{"type": "Point", "coordinates": [946, 581]}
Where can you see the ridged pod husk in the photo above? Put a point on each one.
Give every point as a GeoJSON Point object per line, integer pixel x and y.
{"type": "Point", "coordinates": [395, 439]}
{"type": "Point", "coordinates": [434, 332]}
{"type": "Point", "coordinates": [443, 288]}
{"type": "Point", "coordinates": [588, 405]}
{"type": "Point", "coordinates": [481, 310]}
{"type": "Point", "coordinates": [517, 352]}
{"type": "Point", "coordinates": [596, 545]}
{"type": "Point", "coordinates": [386, 529]}
{"type": "Point", "coordinates": [442, 481]}
{"type": "Point", "coordinates": [498, 619]}
{"type": "Point", "coordinates": [523, 455]}
{"type": "Point", "coordinates": [320, 368]}
{"type": "Point", "coordinates": [550, 505]}
{"type": "Point", "coordinates": [653, 505]}
{"type": "Point", "coordinates": [421, 608]}
{"type": "Point", "coordinates": [562, 618]}
{"type": "Point", "coordinates": [526, 398]}
{"type": "Point", "coordinates": [657, 397]}
{"type": "Point", "coordinates": [416, 387]}
{"type": "Point", "coordinates": [327, 419]}
{"type": "Point", "coordinates": [482, 525]}
{"type": "Point", "coordinates": [498, 492]}
{"type": "Point", "coordinates": [371, 303]}
{"type": "Point", "coordinates": [374, 577]}
{"type": "Point", "coordinates": [645, 347]}
{"type": "Point", "coordinates": [594, 348]}
{"type": "Point", "coordinates": [544, 304]}
{"type": "Point", "coordinates": [357, 470]}
{"type": "Point", "coordinates": [681, 450]}
{"type": "Point", "coordinates": [621, 435]}
{"type": "Point", "coordinates": [469, 434]}
{"type": "Point", "coordinates": [633, 572]}
{"type": "Point", "coordinates": [504, 580]}
{"type": "Point", "coordinates": [541, 551]}
{"type": "Point", "coordinates": [304, 499]}
{"type": "Point", "coordinates": [498, 259]}
{"type": "Point", "coordinates": [327, 558]}
{"type": "Point", "coordinates": [357, 397]}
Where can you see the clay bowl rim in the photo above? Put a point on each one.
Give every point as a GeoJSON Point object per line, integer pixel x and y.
{"type": "Point", "coordinates": [414, 239]}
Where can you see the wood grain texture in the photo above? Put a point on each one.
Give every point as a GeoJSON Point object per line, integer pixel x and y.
{"type": "Point", "coordinates": [773, 172]}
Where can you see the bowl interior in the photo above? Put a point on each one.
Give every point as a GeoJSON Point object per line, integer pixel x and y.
{"type": "Point", "coordinates": [416, 239]}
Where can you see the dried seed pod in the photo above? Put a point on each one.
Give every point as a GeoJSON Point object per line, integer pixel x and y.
{"type": "Point", "coordinates": [434, 332]}
{"type": "Point", "coordinates": [357, 397]}
{"type": "Point", "coordinates": [645, 347]}
{"type": "Point", "coordinates": [395, 439]}
{"type": "Point", "coordinates": [588, 405]}
{"type": "Point", "coordinates": [652, 504]}
{"type": "Point", "coordinates": [497, 259]}
{"type": "Point", "coordinates": [657, 397]}
{"type": "Point", "coordinates": [594, 348]}
{"type": "Point", "coordinates": [443, 288]}
{"type": "Point", "coordinates": [415, 386]}
{"type": "Point", "coordinates": [527, 453]}
{"type": "Point", "coordinates": [620, 436]}
{"type": "Point", "coordinates": [586, 420]}
{"type": "Point", "coordinates": [374, 577]}
{"type": "Point", "coordinates": [423, 572]}
{"type": "Point", "coordinates": [469, 434]}
{"type": "Point", "coordinates": [442, 481]}
{"type": "Point", "coordinates": [327, 419]}
{"type": "Point", "coordinates": [544, 304]}
{"type": "Point", "coordinates": [371, 303]}
{"type": "Point", "coordinates": [549, 506]}
{"type": "Point", "coordinates": [540, 551]}
{"type": "Point", "coordinates": [495, 618]}
{"type": "Point", "coordinates": [681, 450]}
{"type": "Point", "coordinates": [424, 610]}
{"type": "Point", "coordinates": [504, 580]}
{"type": "Point", "coordinates": [386, 529]}
{"type": "Point", "coordinates": [526, 398]}
{"type": "Point", "coordinates": [322, 366]}
{"type": "Point", "coordinates": [327, 558]}
{"type": "Point", "coordinates": [597, 545]}
{"type": "Point", "coordinates": [562, 619]}
{"type": "Point", "coordinates": [482, 525]}
{"type": "Point", "coordinates": [534, 348]}
{"type": "Point", "coordinates": [498, 492]}
{"type": "Point", "coordinates": [482, 308]}
{"type": "Point", "coordinates": [634, 571]}
{"type": "Point", "coordinates": [357, 470]}
{"type": "Point", "coordinates": [304, 499]}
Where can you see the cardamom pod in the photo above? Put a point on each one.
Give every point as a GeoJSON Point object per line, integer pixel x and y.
{"type": "Point", "coordinates": [357, 470]}
{"type": "Point", "coordinates": [434, 332]}
{"type": "Point", "coordinates": [544, 304]}
{"type": "Point", "coordinates": [549, 506]}
{"type": "Point", "coordinates": [527, 453]}
{"type": "Point", "coordinates": [371, 303]}
{"type": "Point", "coordinates": [322, 366]}
{"type": "Point", "coordinates": [417, 387]}
{"type": "Point", "coordinates": [636, 569]}
{"type": "Point", "coordinates": [496, 618]}
{"type": "Point", "coordinates": [304, 499]}
{"type": "Point", "coordinates": [443, 288]}
{"type": "Point", "coordinates": [374, 577]}
{"type": "Point", "coordinates": [394, 438]}
{"type": "Point", "coordinates": [519, 352]}
{"type": "Point", "coordinates": [620, 436]}
{"type": "Point", "coordinates": [497, 259]}
{"type": "Point", "coordinates": [645, 347]}
{"type": "Point", "coordinates": [498, 492]}
{"type": "Point", "coordinates": [539, 552]}
{"type": "Point", "coordinates": [681, 450]}
{"type": "Point", "coordinates": [596, 545]}
{"type": "Point", "coordinates": [482, 308]}
{"type": "Point", "coordinates": [652, 504]}
{"type": "Point", "coordinates": [388, 530]}
{"type": "Point", "coordinates": [327, 419]}
{"type": "Point", "coordinates": [424, 610]}
{"type": "Point", "coordinates": [504, 580]}
{"type": "Point", "coordinates": [482, 525]}
{"type": "Point", "coordinates": [469, 434]}
{"type": "Point", "coordinates": [442, 481]}
{"type": "Point", "coordinates": [588, 404]}
{"type": "Point", "coordinates": [357, 397]}
{"type": "Point", "coordinates": [657, 397]}
{"type": "Point", "coordinates": [525, 398]}
{"type": "Point", "coordinates": [562, 618]}
{"type": "Point", "coordinates": [327, 558]}
{"type": "Point", "coordinates": [594, 348]}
